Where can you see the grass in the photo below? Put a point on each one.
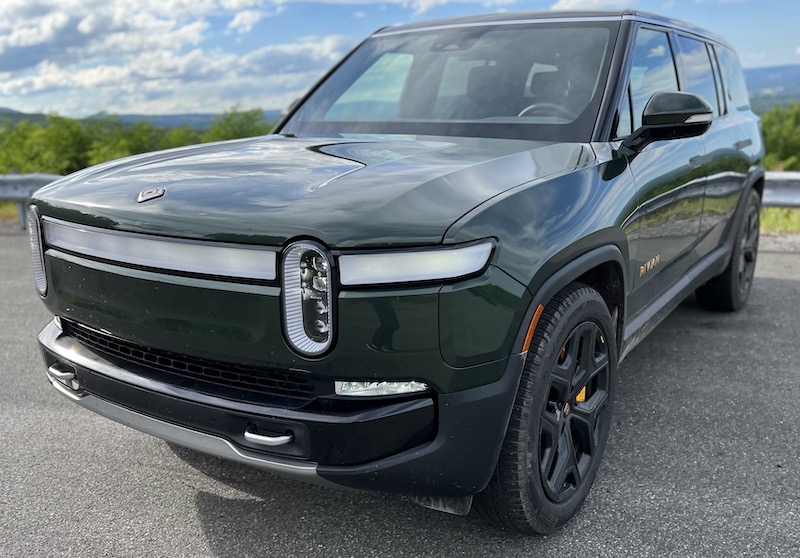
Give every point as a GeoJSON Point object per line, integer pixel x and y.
{"type": "Point", "coordinates": [774, 220]}
{"type": "Point", "coordinates": [8, 211]}
{"type": "Point", "coordinates": [777, 220]}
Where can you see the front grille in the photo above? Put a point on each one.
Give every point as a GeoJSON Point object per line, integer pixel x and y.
{"type": "Point", "coordinates": [288, 388]}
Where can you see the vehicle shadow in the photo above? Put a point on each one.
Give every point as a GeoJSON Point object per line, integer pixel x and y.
{"type": "Point", "coordinates": [670, 443]}
{"type": "Point", "coordinates": [283, 517]}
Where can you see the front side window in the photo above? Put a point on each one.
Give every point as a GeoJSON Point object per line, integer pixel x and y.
{"type": "Point", "coordinates": [652, 70]}
{"type": "Point", "coordinates": [697, 75]}
{"type": "Point", "coordinates": [542, 80]}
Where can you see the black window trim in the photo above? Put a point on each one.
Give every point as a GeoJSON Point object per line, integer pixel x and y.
{"type": "Point", "coordinates": [626, 70]}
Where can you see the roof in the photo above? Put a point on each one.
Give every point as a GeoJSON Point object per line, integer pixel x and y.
{"type": "Point", "coordinates": [516, 18]}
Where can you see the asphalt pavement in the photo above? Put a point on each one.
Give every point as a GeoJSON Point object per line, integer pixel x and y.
{"type": "Point", "coordinates": [702, 460]}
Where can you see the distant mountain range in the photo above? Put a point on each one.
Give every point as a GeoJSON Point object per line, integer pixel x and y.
{"type": "Point", "coordinates": [193, 121]}
{"type": "Point", "coordinates": [770, 82]}
{"type": "Point", "coordinates": [777, 85]}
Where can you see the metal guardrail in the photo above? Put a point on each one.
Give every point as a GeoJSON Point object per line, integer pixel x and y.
{"type": "Point", "coordinates": [782, 189]}
{"type": "Point", "coordinates": [20, 187]}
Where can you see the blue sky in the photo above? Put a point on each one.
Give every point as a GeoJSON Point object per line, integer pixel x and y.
{"type": "Point", "coordinates": [80, 57]}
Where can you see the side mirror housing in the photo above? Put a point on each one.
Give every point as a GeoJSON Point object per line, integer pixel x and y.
{"type": "Point", "coordinates": [670, 115]}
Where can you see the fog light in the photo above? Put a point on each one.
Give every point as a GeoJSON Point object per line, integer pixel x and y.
{"type": "Point", "coordinates": [361, 389]}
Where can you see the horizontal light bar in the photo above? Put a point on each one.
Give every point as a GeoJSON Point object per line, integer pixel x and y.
{"type": "Point", "coordinates": [207, 258]}
{"type": "Point", "coordinates": [367, 389]}
{"type": "Point", "coordinates": [418, 265]}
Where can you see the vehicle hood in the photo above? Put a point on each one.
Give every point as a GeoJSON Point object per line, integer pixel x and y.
{"type": "Point", "coordinates": [345, 192]}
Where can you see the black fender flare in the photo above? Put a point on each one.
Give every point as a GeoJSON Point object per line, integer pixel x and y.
{"type": "Point", "coordinates": [609, 253]}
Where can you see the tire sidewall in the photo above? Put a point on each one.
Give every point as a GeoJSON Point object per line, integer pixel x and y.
{"type": "Point", "coordinates": [739, 295]}
{"type": "Point", "coordinates": [589, 307]}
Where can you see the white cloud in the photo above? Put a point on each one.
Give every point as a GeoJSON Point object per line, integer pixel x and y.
{"type": "Point", "coordinates": [35, 32]}
{"type": "Point", "coordinates": [243, 22]}
{"type": "Point", "coordinates": [80, 57]}
{"type": "Point", "coordinates": [589, 4]}
{"type": "Point", "coordinates": [240, 4]}
{"type": "Point", "coordinates": [419, 6]}
{"type": "Point", "coordinates": [798, 51]}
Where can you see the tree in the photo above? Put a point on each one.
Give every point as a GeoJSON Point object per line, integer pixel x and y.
{"type": "Point", "coordinates": [236, 123]}
{"type": "Point", "coordinates": [178, 137]}
{"type": "Point", "coordinates": [782, 138]}
{"type": "Point", "coordinates": [62, 146]}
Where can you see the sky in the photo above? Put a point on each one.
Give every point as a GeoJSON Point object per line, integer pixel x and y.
{"type": "Point", "coordinates": [80, 57]}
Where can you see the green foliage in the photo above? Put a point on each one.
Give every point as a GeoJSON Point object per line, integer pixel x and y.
{"type": "Point", "coordinates": [762, 105]}
{"type": "Point", "coordinates": [178, 137]}
{"type": "Point", "coordinates": [8, 211]}
{"type": "Point", "coordinates": [782, 138]}
{"type": "Point", "coordinates": [236, 123]}
{"type": "Point", "coordinates": [58, 147]}
{"type": "Point", "coordinates": [780, 220]}
{"type": "Point", "coordinates": [63, 145]}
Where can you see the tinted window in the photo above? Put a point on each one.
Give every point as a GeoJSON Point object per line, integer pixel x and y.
{"type": "Point", "coordinates": [697, 75]}
{"type": "Point", "coordinates": [652, 70]}
{"type": "Point", "coordinates": [733, 79]}
{"type": "Point", "coordinates": [539, 81]}
{"type": "Point", "coordinates": [376, 94]}
{"type": "Point", "coordinates": [624, 125]}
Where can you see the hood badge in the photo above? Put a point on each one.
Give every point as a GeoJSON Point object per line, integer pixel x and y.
{"type": "Point", "coordinates": [151, 194]}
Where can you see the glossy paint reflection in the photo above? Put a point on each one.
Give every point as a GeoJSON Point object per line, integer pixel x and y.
{"type": "Point", "coordinates": [345, 192]}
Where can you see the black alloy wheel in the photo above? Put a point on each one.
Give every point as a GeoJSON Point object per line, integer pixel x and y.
{"type": "Point", "coordinates": [573, 414]}
{"type": "Point", "coordinates": [561, 418]}
{"type": "Point", "coordinates": [748, 249]}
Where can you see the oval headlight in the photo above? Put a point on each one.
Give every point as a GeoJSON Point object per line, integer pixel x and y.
{"type": "Point", "coordinates": [308, 298]}
{"type": "Point", "coordinates": [37, 250]}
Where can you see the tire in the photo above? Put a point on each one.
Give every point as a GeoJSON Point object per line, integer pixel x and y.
{"type": "Point", "coordinates": [729, 290]}
{"type": "Point", "coordinates": [555, 441]}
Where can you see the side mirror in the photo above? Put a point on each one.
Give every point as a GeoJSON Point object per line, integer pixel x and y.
{"type": "Point", "coordinates": [670, 115]}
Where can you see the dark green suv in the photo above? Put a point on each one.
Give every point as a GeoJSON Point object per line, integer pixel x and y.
{"type": "Point", "coordinates": [425, 279]}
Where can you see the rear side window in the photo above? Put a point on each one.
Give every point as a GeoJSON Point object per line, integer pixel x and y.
{"type": "Point", "coordinates": [732, 79]}
{"type": "Point", "coordinates": [697, 74]}
{"type": "Point", "coordinates": [652, 70]}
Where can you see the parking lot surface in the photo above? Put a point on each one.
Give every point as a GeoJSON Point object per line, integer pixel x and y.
{"type": "Point", "coordinates": [702, 459]}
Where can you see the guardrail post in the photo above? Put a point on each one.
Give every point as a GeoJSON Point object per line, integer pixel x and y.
{"type": "Point", "coordinates": [21, 212]}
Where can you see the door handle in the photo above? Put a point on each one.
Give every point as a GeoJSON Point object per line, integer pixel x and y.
{"type": "Point", "coordinates": [743, 144]}
{"type": "Point", "coordinates": [698, 161]}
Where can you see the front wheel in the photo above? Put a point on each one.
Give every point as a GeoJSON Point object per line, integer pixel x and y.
{"type": "Point", "coordinates": [561, 417]}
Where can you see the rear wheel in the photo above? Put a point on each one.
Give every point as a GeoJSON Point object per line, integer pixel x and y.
{"type": "Point", "coordinates": [730, 289]}
{"type": "Point", "coordinates": [561, 417]}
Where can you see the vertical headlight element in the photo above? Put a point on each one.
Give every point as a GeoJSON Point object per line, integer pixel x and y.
{"type": "Point", "coordinates": [37, 250]}
{"type": "Point", "coordinates": [308, 298]}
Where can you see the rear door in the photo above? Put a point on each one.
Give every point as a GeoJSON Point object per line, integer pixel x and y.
{"type": "Point", "coordinates": [725, 164]}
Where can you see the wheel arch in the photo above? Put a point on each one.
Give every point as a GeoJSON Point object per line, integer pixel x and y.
{"type": "Point", "coordinates": [603, 268]}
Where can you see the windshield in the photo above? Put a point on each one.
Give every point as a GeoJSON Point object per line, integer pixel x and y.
{"type": "Point", "coordinates": [538, 80]}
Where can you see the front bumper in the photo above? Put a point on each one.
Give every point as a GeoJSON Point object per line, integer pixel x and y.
{"type": "Point", "coordinates": [438, 445]}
